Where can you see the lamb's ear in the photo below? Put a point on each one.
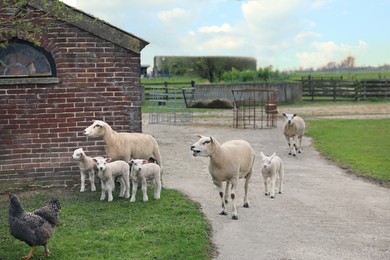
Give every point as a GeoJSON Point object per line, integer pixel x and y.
{"type": "Point", "coordinates": [144, 161]}
{"type": "Point", "coordinates": [131, 162]}
{"type": "Point", "coordinates": [94, 159]}
{"type": "Point", "coordinates": [199, 136]}
{"type": "Point", "coordinates": [273, 155]}
{"type": "Point", "coordinates": [294, 115]}
{"type": "Point", "coordinates": [108, 160]}
{"type": "Point", "coordinates": [262, 155]}
{"type": "Point", "coordinates": [211, 139]}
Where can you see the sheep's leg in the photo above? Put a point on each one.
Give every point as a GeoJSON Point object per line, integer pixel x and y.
{"type": "Point", "coordinates": [233, 197]}
{"type": "Point", "coordinates": [289, 144]}
{"type": "Point", "coordinates": [144, 190]}
{"type": "Point", "coordinates": [92, 180]}
{"type": "Point", "coordinates": [123, 188]}
{"type": "Point", "coordinates": [273, 180]}
{"type": "Point", "coordinates": [135, 186]}
{"type": "Point", "coordinates": [103, 185]}
{"type": "Point", "coordinates": [265, 180]}
{"type": "Point", "coordinates": [281, 177]}
{"type": "Point", "coordinates": [246, 189]}
{"type": "Point", "coordinates": [82, 175]}
{"type": "Point", "coordinates": [227, 192]}
{"type": "Point", "coordinates": [300, 144]}
{"type": "Point", "coordinates": [157, 187]}
{"type": "Point", "coordinates": [220, 188]}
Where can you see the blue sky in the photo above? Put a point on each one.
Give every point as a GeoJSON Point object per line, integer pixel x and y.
{"type": "Point", "coordinates": [287, 34]}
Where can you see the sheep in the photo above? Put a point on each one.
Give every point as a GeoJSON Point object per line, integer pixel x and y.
{"type": "Point", "coordinates": [141, 170]}
{"type": "Point", "coordinates": [294, 128]}
{"type": "Point", "coordinates": [126, 146]}
{"type": "Point", "coordinates": [228, 162]}
{"type": "Point", "coordinates": [86, 165]}
{"type": "Point", "coordinates": [272, 169]}
{"type": "Point", "coordinates": [107, 171]}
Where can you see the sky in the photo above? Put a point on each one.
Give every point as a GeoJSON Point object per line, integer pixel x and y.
{"type": "Point", "coordinates": [286, 34]}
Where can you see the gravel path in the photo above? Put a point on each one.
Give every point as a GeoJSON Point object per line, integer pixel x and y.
{"type": "Point", "coordinates": [324, 212]}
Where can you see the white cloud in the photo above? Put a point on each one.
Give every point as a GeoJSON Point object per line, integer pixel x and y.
{"type": "Point", "coordinates": [173, 15]}
{"type": "Point", "coordinates": [226, 28]}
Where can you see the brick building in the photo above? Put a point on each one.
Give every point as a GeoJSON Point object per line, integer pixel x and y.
{"type": "Point", "coordinates": [83, 70]}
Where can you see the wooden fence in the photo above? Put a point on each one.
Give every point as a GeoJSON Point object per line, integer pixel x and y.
{"type": "Point", "coordinates": [337, 89]}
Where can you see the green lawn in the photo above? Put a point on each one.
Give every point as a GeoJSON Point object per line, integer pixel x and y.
{"type": "Point", "coordinates": [170, 228]}
{"type": "Point", "coordinates": [361, 145]}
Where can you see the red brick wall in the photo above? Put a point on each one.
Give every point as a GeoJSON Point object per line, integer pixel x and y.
{"type": "Point", "coordinates": [41, 124]}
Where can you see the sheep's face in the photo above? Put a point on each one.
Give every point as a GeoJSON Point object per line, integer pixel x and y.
{"type": "Point", "coordinates": [289, 118]}
{"type": "Point", "coordinates": [101, 162]}
{"type": "Point", "coordinates": [77, 154]}
{"type": "Point", "coordinates": [136, 165]}
{"type": "Point", "coordinates": [96, 129]}
{"type": "Point", "coordinates": [266, 160]}
{"type": "Point", "coordinates": [202, 146]}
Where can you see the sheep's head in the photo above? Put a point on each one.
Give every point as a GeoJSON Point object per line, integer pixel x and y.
{"type": "Point", "coordinates": [202, 146]}
{"type": "Point", "coordinates": [77, 154]}
{"type": "Point", "coordinates": [97, 129]}
{"type": "Point", "coordinates": [266, 160]}
{"type": "Point", "coordinates": [289, 117]}
{"type": "Point", "coordinates": [101, 162]}
{"type": "Point", "coordinates": [136, 165]}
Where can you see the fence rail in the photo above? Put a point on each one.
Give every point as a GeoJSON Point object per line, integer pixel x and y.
{"type": "Point", "coordinates": [337, 89]}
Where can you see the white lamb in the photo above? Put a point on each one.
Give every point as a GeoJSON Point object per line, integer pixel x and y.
{"type": "Point", "coordinates": [107, 171]}
{"type": "Point", "coordinates": [294, 128]}
{"type": "Point", "coordinates": [272, 170]}
{"type": "Point", "coordinates": [141, 171]}
{"type": "Point", "coordinates": [86, 165]}
{"type": "Point", "coordinates": [228, 162]}
{"type": "Point", "coordinates": [126, 146]}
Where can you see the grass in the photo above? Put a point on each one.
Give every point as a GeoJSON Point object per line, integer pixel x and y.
{"type": "Point", "coordinates": [361, 145]}
{"type": "Point", "coordinates": [170, 228]}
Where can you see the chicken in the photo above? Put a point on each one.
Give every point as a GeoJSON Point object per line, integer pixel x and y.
{"type": "Point", "coordinates": [33, 228]}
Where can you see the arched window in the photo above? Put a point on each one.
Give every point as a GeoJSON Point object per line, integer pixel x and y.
{"type": "Point", "coordinates": [24, 59]}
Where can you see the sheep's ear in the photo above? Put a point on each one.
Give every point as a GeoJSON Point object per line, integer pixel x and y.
{"type": "Point", "coordinates": [284, 114]}
{"type": "Point", "coordinates": [273, 155]}
{"type": "Point", "coordinates": [294, 115]}
{"type": "Point", "coordinates": [144, 161]}
{"type": "Point", "coordinates": [199, 136]}
{"type": "Point", "coordinates": [211, 139]}
{"type": "Point", "coordinates": [262, 155]}
{"type": "Point", "coordinates": [131, 162]}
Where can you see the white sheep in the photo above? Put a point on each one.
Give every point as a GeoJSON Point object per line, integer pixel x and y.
{"type": "Point", "coordinates": [272, 170]}
{"type": "Point", "coordinates": [141, 171]}
{"type": "Point", "coordinates": [228, 162]}
{"type": "Point", "coordinates": [107, 171]}
{"type": "Point", "coordinates": [294, 128]}
{"type": "Point", "coordinates": [126, 146]}
{"type": "Point", "coordinates": [86, 165]}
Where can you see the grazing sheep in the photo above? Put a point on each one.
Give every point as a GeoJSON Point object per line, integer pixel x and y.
{"type": "Point", "coordinates": [107, 171]}
{"type": "Point", "coordinates": [141, 171]}
{"type": "Point", "coordinates": [86, 165]}
{"type": "Point", "coordinates": [272, 169]}
{"type": "Point", "coordinates": [294, 128]}
{"type": "Point", "coordinates": [126, 146]}
{"type": "Point", "coordinates": [228, 162]}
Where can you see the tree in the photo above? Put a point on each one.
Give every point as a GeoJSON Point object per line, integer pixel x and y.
{"type": "Point", "coordinates": [348, 63]}
{"type": "Point", "coordinates": [20, 18]}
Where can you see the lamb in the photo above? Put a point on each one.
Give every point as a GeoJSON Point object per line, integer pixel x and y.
{"type": "Point", "coordinates": [272, 170]}
{"type": "Point", "coordinates": [141, 170]}
{"type": "Point", "coordinates": [86, 165]}
{"type": "Point", "coordinates": [228, 162]}
{"type": "Point", "coordinates": [294, 128]}
{"type": "Point", "coordinates": [107, 171]}
{"type": "Point", "coordinates": [126, 146]}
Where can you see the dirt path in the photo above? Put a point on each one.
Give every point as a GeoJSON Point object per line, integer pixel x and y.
{"type": "Point", "coordinates": [324, 212]}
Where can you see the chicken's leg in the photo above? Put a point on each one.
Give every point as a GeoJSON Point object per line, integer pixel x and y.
{"type": "Point", "coordinates": [30, 254]}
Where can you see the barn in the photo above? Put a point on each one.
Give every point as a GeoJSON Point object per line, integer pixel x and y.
{"type": "Point", "coordinates": [83, 69]}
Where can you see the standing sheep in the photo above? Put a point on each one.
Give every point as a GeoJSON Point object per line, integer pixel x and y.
{"type": "Point", "coordinates": [141, 171]}
{"type": "Point", "coordinates": [126, 146]}
{"type": "Point", "coordinates": [228, 162]}
{"type": "Point", "coordinates": [294, 128]}
{"type": "Point", "coordinates": [272, 170]}
{"type": "Point", "coordinates": [107, 171]}
{"type": "Point", "coordinates": [86, 165]}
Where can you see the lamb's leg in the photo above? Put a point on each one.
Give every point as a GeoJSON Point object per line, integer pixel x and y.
{"type": "Point", "coordinates": [127, 186]}
{"type": "Point", "coordinates": [300, 144]}
{"type": "Point", "coordinates": [92, 180]}
{"type": "Point", "coordinates": [103, 186]}
{"type": "Point", "coordinates": [289, 144]}
{"type": "Point", "coordinates": [135, 186]}
{"type": "Point", "coordinates": [227, 192]}
{"type": "Point", "coordinates": [144, 190]}
{"type": "Point", "coordinates": [273, 180]}
{"type": "Point", "coordinates": [246, 189]}
{"type": "Point", "coordinates": [281, 178]}
{"type": "Point", "coordinates": [220, 188]}
{"type": "Point", "coordinates": [265, 180]}
{"type": "Point", "coordinates": [82, 175]}
{"type": "Point", "coordinates": [157, 187]}
{"type": "Point", "coordinates": [233, 197]}
{"type": "Point", "coordinates": [123, 187]}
